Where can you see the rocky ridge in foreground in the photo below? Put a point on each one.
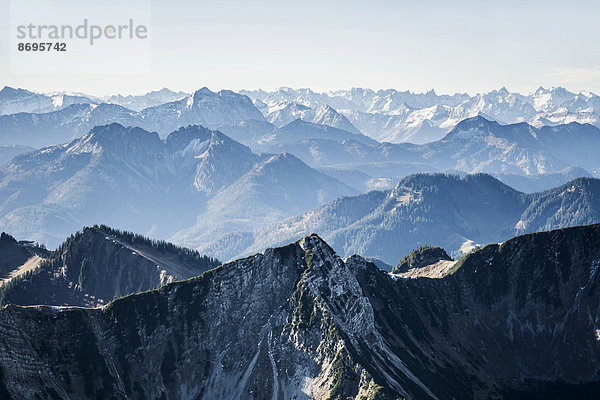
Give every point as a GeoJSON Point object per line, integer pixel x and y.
{"type": "Point", "coordinates": [297, 321]}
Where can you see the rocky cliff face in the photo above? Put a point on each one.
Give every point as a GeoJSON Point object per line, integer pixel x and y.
{"type": "Point", "coordinates": [298, 322]}
{"type": "Point", "coordinates": [514, 320]}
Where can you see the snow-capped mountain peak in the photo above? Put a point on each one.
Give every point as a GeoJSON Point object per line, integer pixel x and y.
{"type": "Point", "coordinates": [399, 116]}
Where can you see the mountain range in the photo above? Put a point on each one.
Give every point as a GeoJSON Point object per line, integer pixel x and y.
{"type": "Point", "coordinates": [401, 116]}
{"type": "Point", "coordinates": [385, 115]}
{"type": "Point", "coordinates": [513, 320]}
{"type": "Point", "coordinates": [203, 107]}
{"type": "Point", "coordinates": [425, 209]}
{"type": "Point", "coordinates": [219, 189]}
{"type": "Point", "coordinates": [524, 156]}
{"type": "Point", "coordinates": [284, 112]}
{"type": "Point", "coordinates": [14, 101]}
{"type": "Point", "coordinates": [521, 155]}
{"type": "Point", "coordinates": [202, 189]}
{"type": "Point", "coordinates": [383, 245]}
{"type": "Point", "coordinates": [191, 178]}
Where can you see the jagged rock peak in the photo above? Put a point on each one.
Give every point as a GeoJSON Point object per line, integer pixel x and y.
{"type": "Point", "coordinates": [509, 321]}
{"type": "Point", "coordinates": [313, 240]}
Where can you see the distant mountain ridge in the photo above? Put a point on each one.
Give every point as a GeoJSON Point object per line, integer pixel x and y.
{"type": "Point", "coordinates": [522, 155]}
{"type": "Point", "coordinates": [284, 112]}
{"type": "Point", "coordinates": [186, 182]}
{"type": "Point", "coordinates": [385, 115]}
{"type": "Point", "coordinates": [299, 130]}
{"type": "Point", "coordinates": [163, 186]}
{"type": "Point", "coordinates": [203, 107]}
{"type": "Point", "coordinates": [399, 116]}
{"type": "Point", "coordinates": [428, 209]}
{"type": "Point", "coordinates": [276, 187]}
{"type": "Point", "coordinates": [14, 101]}
{"type": "Point", "coordinates": [150, 99]}
{"type": "Point", "coordinates": [100, 263]}
{"type": "Point", "coordinates": [479, 145]}
{"type": "Point", "coordinates": [528, 158]}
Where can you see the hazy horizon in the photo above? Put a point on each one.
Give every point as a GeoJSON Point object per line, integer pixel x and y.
{"type": "Point", "coordinates": [470, 47]}
{"type": "Point", "coordinates": [215, 89]}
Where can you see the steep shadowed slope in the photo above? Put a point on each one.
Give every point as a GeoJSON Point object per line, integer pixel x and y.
{"type": "Point", "coordinates": [298, 322]}
{"type": "Point", "coordinates": [98, 264]}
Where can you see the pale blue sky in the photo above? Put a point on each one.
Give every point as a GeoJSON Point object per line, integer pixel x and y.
{"type": "Point", "coordinates": [451, 46]}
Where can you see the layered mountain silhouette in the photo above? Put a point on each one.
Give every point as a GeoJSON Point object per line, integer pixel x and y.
{"type": "Point", "coordinates": [514, 320]}
{"type": "Point", "coordinates": [51, 128]}
{"type": "Point", "coordinates": [428, 209]}
{"type": "Point", "coordinates": [150, 99]}
{"type": "Point", "coordinates": [461, 133]}
{"type": "Point", "coordinates": [401, 116]}
{"type": "Point", "coordinates": [480, 145]}
{"type": "Point", "coordinates": [299, 130]}
{"type": "Point", "coordinates": [202, 107]}
{"type": "Point", "coordinates": [132, 179]}
{"type": "Point", "coordinates": [284, 112]}
{"type": "Point", "coordinates": [416, 184]}
{"type": "Point", "coordinates": [205, 190]}
{"type": "Point", "coordinates": [385, 115]}
{"type": "Point", "coordinates": [521, 155]}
